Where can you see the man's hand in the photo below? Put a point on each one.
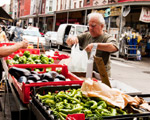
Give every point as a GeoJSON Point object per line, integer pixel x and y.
{"type": "Point", "coordinates": [89, 47]}
{"type": "Point", "coordinates": [72, 40]}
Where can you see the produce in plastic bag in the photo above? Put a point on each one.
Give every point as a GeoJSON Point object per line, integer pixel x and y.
{"type": "Point", "coordinates": [77, 61]}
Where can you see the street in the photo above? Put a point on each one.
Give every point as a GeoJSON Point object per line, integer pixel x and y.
{"type": "Point", "coordinates": [133, 73]}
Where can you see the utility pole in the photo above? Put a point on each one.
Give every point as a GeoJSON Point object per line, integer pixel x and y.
{"type": "Point", "coordinates": [38, 8]}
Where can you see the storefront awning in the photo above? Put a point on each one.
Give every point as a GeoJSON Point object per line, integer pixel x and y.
{"type": "Point", "coordinates": [4, 15]}
{"type": "Point", "coordinates": [28, 16]}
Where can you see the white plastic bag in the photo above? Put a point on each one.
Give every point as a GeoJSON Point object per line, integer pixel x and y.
{"type": "Point", "coordinates": [78, 60]}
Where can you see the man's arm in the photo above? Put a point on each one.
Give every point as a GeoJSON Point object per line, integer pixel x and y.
{"type": "Point", "coordinates": [108, 47]}
{"type": "Point", "coordinates": [7, 50]}
{"type": "Point", "coordinates": [71, 40]}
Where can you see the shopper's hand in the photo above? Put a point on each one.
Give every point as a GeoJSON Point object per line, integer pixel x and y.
{"type": "Point", "coordinates": [72, 40]}
{"type": "Point", "coordinates": [89, 47]}
{"type": "Point", "coordinates": [24, 44]}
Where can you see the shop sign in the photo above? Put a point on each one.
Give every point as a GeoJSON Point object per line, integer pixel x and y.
{"type": "Point", "coordinates": [112, 1]}
{"type": "Point", "coordinates": [100, 2]}
{"type": "Point", "coordinates": [115, 11]}
{"type": "Point", "coordinates": [103, 2]}
{"type": "Point", "coordinates": [99, 11]}
{"type": "Point", "coordinates": [131, 0]}
{"type": "Point", "coordinates": [145, 15]}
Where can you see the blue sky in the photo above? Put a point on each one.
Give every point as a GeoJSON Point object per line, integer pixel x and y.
{"type": "Point", "coordinates": [2, 2]}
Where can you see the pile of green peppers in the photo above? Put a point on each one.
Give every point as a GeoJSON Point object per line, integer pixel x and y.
{"type": "Point", "coordinates": [28, 58]}
{"type": "Point", "coordinates": [72, 101]}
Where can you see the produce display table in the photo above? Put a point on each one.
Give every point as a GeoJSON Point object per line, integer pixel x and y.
{"type": "Point", "coordinates": [26, 111]}
{"type": "Point", "coordinates": [22, 109]}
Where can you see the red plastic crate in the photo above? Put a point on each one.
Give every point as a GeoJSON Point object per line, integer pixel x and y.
{"type": "Point", "coordinates": [24, 90]}
{"type": "Point", "coordinates": [6, 44]}
{"type": "Point", "coordinates": [32, 51]}
{"type": "Point", "coordinates": [79, 116]}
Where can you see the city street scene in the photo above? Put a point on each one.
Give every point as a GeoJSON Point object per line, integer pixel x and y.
{"type": "Point", "coordinates": [75, 60]}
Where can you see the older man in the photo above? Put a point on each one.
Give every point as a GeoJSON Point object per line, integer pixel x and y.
{"type": "Point", "coordinates": [106, 44]}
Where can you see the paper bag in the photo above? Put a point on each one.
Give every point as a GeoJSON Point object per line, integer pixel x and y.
{"type": "Point", "coordinates": [112, 96]}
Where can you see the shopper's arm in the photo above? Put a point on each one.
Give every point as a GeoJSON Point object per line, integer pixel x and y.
{"type": "Point", "coordinates": [7, 50]}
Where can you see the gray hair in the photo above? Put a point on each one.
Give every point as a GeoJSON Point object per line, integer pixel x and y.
{"type": "Point", "coordinates": [97, 15]}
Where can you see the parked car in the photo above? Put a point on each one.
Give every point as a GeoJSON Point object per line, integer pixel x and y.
{"type": "Point", "coordinates": [50, 38]}
{"type": "Point", "coordinates": [66, 30]}
{"type": "Point", "coordinates": [33, 36]}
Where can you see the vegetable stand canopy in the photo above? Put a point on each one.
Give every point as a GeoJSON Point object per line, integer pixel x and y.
{"type": "Point", "coordinates": [4, 15]}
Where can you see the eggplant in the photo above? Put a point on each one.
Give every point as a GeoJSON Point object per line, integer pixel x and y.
{"type": "Point", "coordinates": [47, 76]}
{"type": "Point", "coordinates": [39, 81]}
{"type": "Point", "coordinates": [44, 80]}
{"type": "Point", "coordinates": [22, 79]}
{"type": "Point", "coordinates": [57, 80]}
{"type": "Point", "coordinates": [34, 72]}
{"type": "Point", "coordinates": [29, 81]}
{"type": "Point", "coordinates": [53, 74]}
{"type": "Point", "coordinates": [18, 72]}
{"type": "Point", "coordinates": [33, 77]}
{"type": "Point", "coordinates": [61, 77]}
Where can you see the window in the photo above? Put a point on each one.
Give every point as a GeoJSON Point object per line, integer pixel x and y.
{"type": "Point", "coordinates": [81, 29]}
{"type": "Point", "coordinates": [74, 4]}
{"type": "Point", "coordinates": [88, 1]}
{"type": "Point", "coordinates": [80, 4]}
{"type": "Point", "coordinates": [50, 5]}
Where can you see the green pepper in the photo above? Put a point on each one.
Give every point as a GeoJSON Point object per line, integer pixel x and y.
{"type": "Point", "coordinates": [73, 92]}
{"type": "Point", "coordinates": [120, 111]}
{"type": "Point", "coordinates": [87, 111]}
{"type": "Point", "coordinates": [16, 57]}
{"type": "Point", "coordinates": [77, 109]}
{"type": "Point", "coordinates": [51, 60]}
{"type": "Point", "coordinates": [60, 105]}
{"type": "Point", "coordinates": [62, 114]}
{"type": "Point", "coordinates": [59, 115]}
{"type": "Point", "coordinates": [101, 105]}
{"type": "Point", "coordinates": [49, 101]}
{"type": "Point", "coordinates": [66, 96]}
{"type": "Point", "coordinates": [65, 101]}
{"type": "Point", "coordinates": [22, 60]}
{"type": "Point", "coordinates": [48, 69]}
{"type": "Point", "coordinates": [98, 114]}
{"type": "Point", "coordinates": [78, 95]}
{"type": "Point", "coordinates": [105, 112]}
{"type": "Point", "coordinates": [92, 104]}
{"type": "Point", "coordinates": [35, 57]}
{"type": "Point", "coordinates": [26, 53]}
{"type": "Point", "coordinates": [113, 112]}
{"type": "Point", "coordinates": [46, 96]}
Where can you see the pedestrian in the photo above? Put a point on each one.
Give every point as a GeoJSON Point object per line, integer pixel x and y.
{"type": "Point", "coordinates": [3, 37]}
{"type": "Point", "coordinates": [106, 44]}
{"type": "Point", "coordinates": [7, 50]}
{"type": "Point", "coordinates": [18, 32]}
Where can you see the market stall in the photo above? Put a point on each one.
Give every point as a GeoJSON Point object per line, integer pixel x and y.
{"type": "Point", "coordinates": [134, 40]}
{"type": "Point", "coordinates": [49, 91]}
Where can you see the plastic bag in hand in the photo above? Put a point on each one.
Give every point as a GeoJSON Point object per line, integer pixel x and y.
{"type": "Point", "coordinates": [78, 59]}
